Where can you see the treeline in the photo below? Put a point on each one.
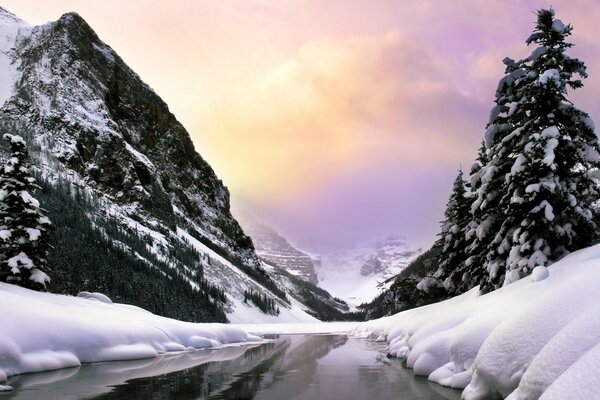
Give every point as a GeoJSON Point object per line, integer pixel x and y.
{"type": "Point", "coordinates": [257, 273]}
{"type": "Point", "coordinates": [532, 195]}
{"type": "Point", "coordinates": [320, 302]}
{"type": "Point", "coordinates": [98, 255]}
{"type": "Point", "coordinates": [262, 301]}
{"type": "Point", "coordinates": [403, 293]}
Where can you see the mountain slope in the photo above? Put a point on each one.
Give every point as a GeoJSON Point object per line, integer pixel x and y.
{"type": "Point", "coordinates": [359, 274]}
{"type": "Point", "coordinates": [275, 249]}
{"type": "Point", "coordinates": [293, 270]}
{"type": "Point", "coordinates": [97, 131]}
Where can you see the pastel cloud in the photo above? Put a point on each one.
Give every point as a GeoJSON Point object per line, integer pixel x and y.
{"type": "Point", "coordinates": [333, 119]}
{"type": "Point", "coordinates": [338, 105]}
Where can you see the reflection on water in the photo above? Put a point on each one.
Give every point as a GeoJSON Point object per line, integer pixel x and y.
{"type": "Point", "coordinates": [291, 367]}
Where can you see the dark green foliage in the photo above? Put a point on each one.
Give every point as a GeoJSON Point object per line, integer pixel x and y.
{"type": "Point", "coordinates": [24, 226]}
{"type": "Point", "coordinates": [255, 272]}
{"type": "Point", "coordinates": [262, 301]}
{"type": "Point", "coordinates": [452, 242]}
{"type": "Point", "coordinates": [403, 293]}
{"type": "Point", "coordinates": [321, 304]}
{"type": "Point", "coordinates": [535, 202]}
{"type": "Point", "coordinates": [98, 255]}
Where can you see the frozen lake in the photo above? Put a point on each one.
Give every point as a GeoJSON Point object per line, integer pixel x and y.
{"type": "Point", "coordinates": [290, 367]}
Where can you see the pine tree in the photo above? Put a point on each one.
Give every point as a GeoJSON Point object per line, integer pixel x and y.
{"type": "Point", "coordinates": [23, 225]}
{"type": "Point", "coordinates": [475, 237]}
{"type": "Point", "coordinates": [534, 203]}
{"type": "Point", "coordinates": [452, 241]}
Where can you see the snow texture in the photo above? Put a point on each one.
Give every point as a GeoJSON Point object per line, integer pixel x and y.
{"type": "Point", "coordinates": [236, 281]}
{"type": "Point", "coordinates": [537, 338]}
{"type": "Point", "coordinates": [95, 296]}
{"type": "Point", "coordinates": [10, 26]}
{"type": "Point", "coordinates": [359, 274]}
{"type": "Point", "coordinates": [56, 331]}
{"type": "Point", "coordinates": [550, 75]}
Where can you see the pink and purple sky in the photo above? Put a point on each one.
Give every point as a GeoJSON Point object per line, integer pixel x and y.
{"type": "Point", "coordinates": [338, 120]}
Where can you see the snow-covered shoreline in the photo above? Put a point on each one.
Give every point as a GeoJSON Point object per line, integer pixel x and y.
{"type": "Point", "coordinates": [536, 338]}
{"type": "Point", "coordinates": [43, 331]}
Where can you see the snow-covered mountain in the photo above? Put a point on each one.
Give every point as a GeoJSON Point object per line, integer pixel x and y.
{"type": "Point", "coordinates": [139, 214]}
{"type": "Point", "coordinates": [292, 269]}
{"type": "Point", "coordinates": [275, 249]}
{"type": "Point", "coordinates": [359, 274]}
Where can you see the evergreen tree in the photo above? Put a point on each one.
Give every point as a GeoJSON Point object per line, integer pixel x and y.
{"type": "Point", "coordinates": [534, 202]}
{"type": "Point", "coordinates": [23, 225]}
{"type": "Point", "coordinates": [476, 247]}
{"type": "Point", "coordinates": [452, 241]}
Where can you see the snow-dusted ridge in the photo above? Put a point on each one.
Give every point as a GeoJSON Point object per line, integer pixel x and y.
{"type": "Point", "coordinates": [95, 128]}
{"type": "Point", "coordinates": [43, 331]}
{"type": "Point", "coordinates": [10, 27]}
{"type": "Point", "coordinates": [357, 275]}
{"type": "Point", "coordinates": [536, 338]}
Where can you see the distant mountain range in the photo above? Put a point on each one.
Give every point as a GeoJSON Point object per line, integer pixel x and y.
{"type": "Point", "coordinates": [292, 269]}
{"type": "Point", "coordinates": [356, 275]}
{"type": "Point", "coordinates": [359, 274]}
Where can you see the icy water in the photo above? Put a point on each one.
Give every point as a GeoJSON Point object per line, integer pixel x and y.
{"type": "Point", "coordinates": [307, 367]}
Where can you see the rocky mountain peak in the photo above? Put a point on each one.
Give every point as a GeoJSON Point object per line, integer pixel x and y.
{"type": "Point", "coordinates": [6, 17]}
{"type": "Point", "coordinates": [275, 249]}
{"type": "Point", "coordinates": [97, 130]}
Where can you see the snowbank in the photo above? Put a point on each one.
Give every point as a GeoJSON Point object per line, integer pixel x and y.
{"type": "Point", "coordinates": [536, 338]}
{"type": "Point", "coordinates": [42, 331]}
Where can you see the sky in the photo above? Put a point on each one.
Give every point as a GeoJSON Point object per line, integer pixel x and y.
{"type": "Point", "coordinates": [334, 121]}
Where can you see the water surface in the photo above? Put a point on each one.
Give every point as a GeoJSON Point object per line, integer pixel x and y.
{"type": "Point", "coordinates": [295, 367]}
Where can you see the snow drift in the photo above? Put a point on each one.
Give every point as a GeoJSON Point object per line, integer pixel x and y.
{"type": "Point", "coordinates": [536, 338]}
{"type": "Point", "coordinates": [43, 331]}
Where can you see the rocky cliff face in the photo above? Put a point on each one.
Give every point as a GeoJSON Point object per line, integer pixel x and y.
{"type": "Point", "coordinates": [82, 104]}
{"type": "Point", "coordinates": [96, 130]}
{"type": "Point", "coordinates": [294, 271]}
{"type": "Point", "coordinates": [275, 249]}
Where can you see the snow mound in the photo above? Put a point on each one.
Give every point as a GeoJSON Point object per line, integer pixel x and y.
{"type": "Point", "coordinates": [95, 296]}
{"type": "Point", "coordinates": [43, 331]}
{"type": "Point", "coordinates": [536, 338]}
{"type": "Point", "coordinates": [539, 273]}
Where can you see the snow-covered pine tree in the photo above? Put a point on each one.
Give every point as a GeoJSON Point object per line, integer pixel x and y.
{"type": "Point", "coordinates": [23, 225]}
{"type": "Point", "coordinates": [535, 200]}
{"type": "Point", "coordinates": [452, 241]}
{"type": "Point", "coordinates": [481, 199]}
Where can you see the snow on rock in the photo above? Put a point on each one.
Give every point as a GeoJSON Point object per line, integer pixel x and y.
{"type": "Point", "coordinates": [536, 338]}
{"type": "Point", "coordinates": [10, 27]}
{"type": "Point", "coordinates": [43, 331]}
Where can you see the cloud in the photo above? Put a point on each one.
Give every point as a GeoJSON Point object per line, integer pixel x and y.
{"type": "Point", "coordinates": [338, 105]}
